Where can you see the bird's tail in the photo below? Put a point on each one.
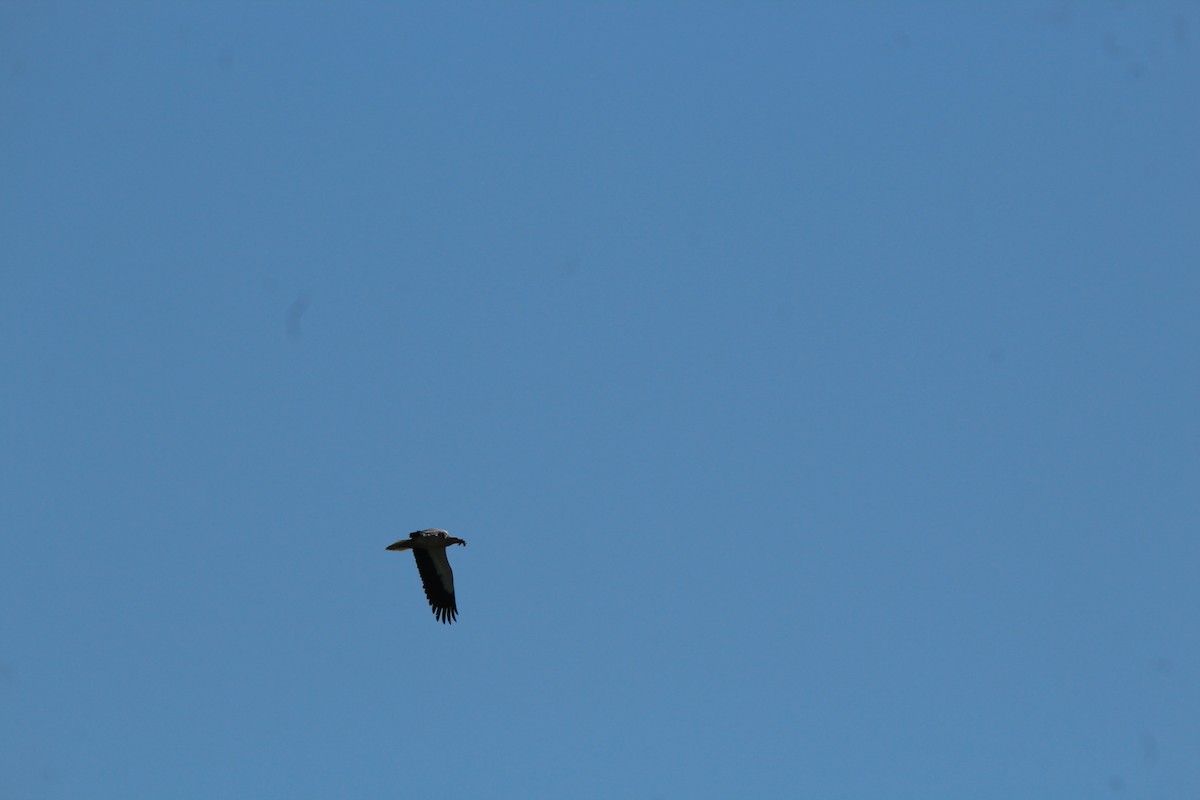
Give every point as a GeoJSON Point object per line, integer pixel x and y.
{"type": "Point", "coordinates": [402, 545]}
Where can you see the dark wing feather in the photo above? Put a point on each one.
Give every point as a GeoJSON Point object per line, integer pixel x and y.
{"type": "Point", "coordinates": [438, 580]}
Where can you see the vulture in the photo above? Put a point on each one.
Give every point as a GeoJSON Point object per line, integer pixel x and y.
{"type": "Point", "coordinates": [429, 549]}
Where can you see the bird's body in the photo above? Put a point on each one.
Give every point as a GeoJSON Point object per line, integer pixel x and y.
{"type": "Point", "coordinates": [429, 549]}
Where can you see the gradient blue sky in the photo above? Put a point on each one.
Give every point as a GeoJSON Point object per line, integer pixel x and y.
{"type": "Point", "coordinates": [817, 386]}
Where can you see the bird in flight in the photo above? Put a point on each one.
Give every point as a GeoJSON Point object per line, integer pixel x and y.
{"type": "Point", "coordinates": [429, 549]}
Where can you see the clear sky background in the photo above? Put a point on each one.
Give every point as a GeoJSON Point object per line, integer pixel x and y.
{"type": "Point", "coordinates": [817, 386]}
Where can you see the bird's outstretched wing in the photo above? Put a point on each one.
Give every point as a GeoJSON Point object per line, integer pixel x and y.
{"type": "Point", "coordinates": [438, 580]}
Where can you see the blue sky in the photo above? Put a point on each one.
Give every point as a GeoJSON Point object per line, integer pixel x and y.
{"type": "Point", "coordinates": [817, 387]}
